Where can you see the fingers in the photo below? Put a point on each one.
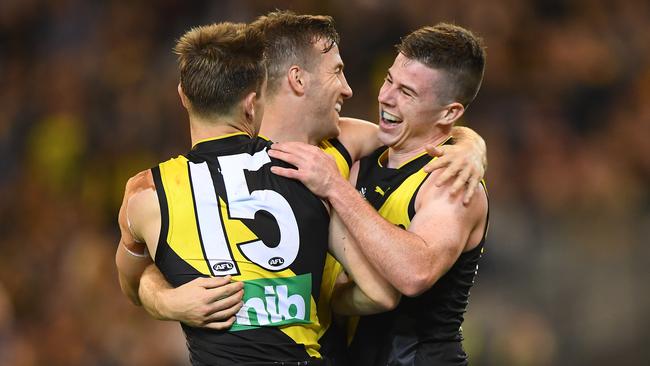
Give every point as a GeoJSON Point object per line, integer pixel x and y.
{"type": "Point", "coordinates": [285, 172]}
{"type": "Point", "coordinates": [434, 151]}
{"type": "Point", "coordinates": [448, 173]}
{"type": "Point", "coordinates": [435, 164]}
{"type": "Point", "coordinates": [289, 157]}
{"type": "Point", "coordinates": [221, 325]}
{"type": "Point", "coordinates": [224, 311]}
{"type": "Point", "coordinates": [225, 308]}
{"type": "Point", "coordinates": [472, 187]}
{"type": "Point", "coordinates": [213, 282]}
{"type": "Point", "coordinates": [224, 291]}
{"type": "Point", "coordinates": [460, 182]}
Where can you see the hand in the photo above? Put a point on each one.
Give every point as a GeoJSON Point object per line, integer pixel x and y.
{"type": "Point", "coordinates": [459, 161]}
{"type": "Point", "coordinates": [209, 302]}
{"type": "Point", "coordinates": [315, 169]}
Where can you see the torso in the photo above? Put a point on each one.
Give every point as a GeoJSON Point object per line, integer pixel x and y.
{"type": "Point", "coordinates": [423, 330]}
{"type": "Point", "coordinates": [224, 212]}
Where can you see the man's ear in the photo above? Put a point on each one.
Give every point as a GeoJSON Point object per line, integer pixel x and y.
{"type": "Point", "coordinates": [452, 113]}
{"type": "Point", "coordinates": [184, 100]}
{"type": "Point", "coordinates": [297, 77]}
{"type": "Point", "coordinates": [249, 105]}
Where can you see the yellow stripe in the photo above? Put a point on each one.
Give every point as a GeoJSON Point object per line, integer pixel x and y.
{"type": "Point", "coordinates": [183, 235]}
{"type": "Point", "coordinates": [384, 155]}
{"type": "Point", "coordinates": [341, 163]}
{"type": "Point", "coordinates": [183, 239]}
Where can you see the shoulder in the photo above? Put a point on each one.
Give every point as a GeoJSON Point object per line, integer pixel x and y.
{"type": "Point", "coordinates": [354, 128]}
{"type": "Point", "coordinates": [140, 182]}
{"type": "Point", "coordinates": [140, 197]}
{"type": "Point", "coordinates": [430, 194]}
{"type": "Point", "coordinates": [356, 123]}
{"type": "Point", "coordinates": [358, 136]}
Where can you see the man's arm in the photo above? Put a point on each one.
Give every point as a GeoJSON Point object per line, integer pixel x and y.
{"type": "Point", "coordinates": [364, 290]}
{"type": "Point", "coordinates": [410, 260]}
{"type": "Point", "coordinates": [466, 160]}
{"type": "Point", "coordinates": [209, 302]}
{"type": "Point", "coordinates": [132, 256]}
{"type": "Point", "coordinates": [358, 136]}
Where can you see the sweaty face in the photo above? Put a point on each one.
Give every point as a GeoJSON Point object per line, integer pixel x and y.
{"type": "Point", "coordinates": [326, 91]}
{"type": "Point", "coordinates": [408, 104]}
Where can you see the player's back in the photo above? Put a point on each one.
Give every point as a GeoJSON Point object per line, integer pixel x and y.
{"type": "Point", "coordinates": [224, 213]}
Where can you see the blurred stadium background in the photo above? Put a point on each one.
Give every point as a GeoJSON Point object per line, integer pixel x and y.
{"type": "Point", "coordinates": [88, 98]}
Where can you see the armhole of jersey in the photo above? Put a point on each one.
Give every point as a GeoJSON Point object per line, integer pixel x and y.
{"type": "Point", "coordinates": [164, 210]}
{"type": "Point", "coordinates": [487, 218]}
{"type": "Point", "coordinates": [342, 150]}
{"type": "Point", "coordinates": [411, 208]}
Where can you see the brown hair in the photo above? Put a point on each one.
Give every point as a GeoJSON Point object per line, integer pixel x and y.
{"type": "Point", "coordinates": [289, 40]}
{"type": "Point", "coordinates": [454, 50]}
{"type": "Point", "coordinates": [219, 64]}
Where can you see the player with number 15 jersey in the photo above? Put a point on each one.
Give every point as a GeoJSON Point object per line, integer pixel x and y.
{"type": "Point", "coordinates": [224, 213]}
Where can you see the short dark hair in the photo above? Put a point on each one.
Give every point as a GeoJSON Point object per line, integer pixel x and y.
{"type": "Point", "coordinates": [289, 39]}
{"type": "Point", "coordinates": [454, 50]}
{"type": "Point", "coordinates": [219, 64]}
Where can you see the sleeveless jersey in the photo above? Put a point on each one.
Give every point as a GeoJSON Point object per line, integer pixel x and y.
{"type": "Point", "coordinates": [332, 335]}
{"type": "Point", "coordinates": [423, 330]}
{"type": "Point", "coordinates": [225, 213]}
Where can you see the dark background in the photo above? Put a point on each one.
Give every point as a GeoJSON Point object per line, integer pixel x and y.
{"type": "Point", "coordinates": [88, 98]}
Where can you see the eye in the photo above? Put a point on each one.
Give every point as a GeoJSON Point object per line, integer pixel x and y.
{"type": "Point", "coordinates": [388, 79]}
{"type": "Point", "coordinates": [406, 92]}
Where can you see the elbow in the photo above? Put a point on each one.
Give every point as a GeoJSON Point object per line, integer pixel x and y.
{"type": "Point", "coordinates": [415, 285]}
{"type": "Point", "coordinates": [387, 302]}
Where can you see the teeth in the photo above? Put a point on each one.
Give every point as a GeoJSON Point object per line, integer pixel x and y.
{"type": "Point", "coordinates": [389, 117]}
{"type": "Point", "coordinates": [337, 107]}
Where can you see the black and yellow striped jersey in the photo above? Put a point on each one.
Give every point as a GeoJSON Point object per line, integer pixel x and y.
{"type": "Point", "coordinates": [331, 335]}
{"type": "Point", "coordinates": [225, 213]}
{"type": "Point", "coordinates": [423, 330]}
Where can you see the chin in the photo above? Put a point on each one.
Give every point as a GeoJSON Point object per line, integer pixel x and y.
{"type": "Point", "coordinates": [386, 139]}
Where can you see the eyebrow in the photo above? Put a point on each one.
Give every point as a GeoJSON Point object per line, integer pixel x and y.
{"type": "Point", "coordinates": [409, 88]}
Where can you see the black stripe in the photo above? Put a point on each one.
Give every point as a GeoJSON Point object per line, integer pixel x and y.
{"type": "Point", "coordinates": [342, 150]}
{"type": "Point", "coordinates": [487, 218]}
{"type": "Point", "coordinates": [164, 211]}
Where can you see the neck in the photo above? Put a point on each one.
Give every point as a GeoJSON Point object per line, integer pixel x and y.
{"type": "Point", "coordinates": [202, 128]}
{"type": "Point", "coordinates": [284, 121]}
{"type": "Point", "coordinates": [398, 155]}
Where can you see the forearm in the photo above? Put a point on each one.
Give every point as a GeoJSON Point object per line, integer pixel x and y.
{"type": "Point", "coordinates": [349, 299]}
{"type": "Point", "coordinates": [130, 268]}
{"type": "Point", "coordinates": [373, 285]}
{"type": "Point", "coordinates": [396, 253]}
{"type": "Point", "coordinates": [152, 287]}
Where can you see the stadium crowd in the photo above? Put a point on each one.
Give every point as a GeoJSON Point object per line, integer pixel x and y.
{"type": "Point", "coordinates": [88, 98]}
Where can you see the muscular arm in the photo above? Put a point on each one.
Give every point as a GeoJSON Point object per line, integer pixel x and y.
{"type": "Point", "coordinates": [131, 257]}
{"type": "Point", "coordinates": [210, 302]}
{"type": "Point", "coordinates": [365, 291]}
{"type": "Point", "coordinates": [414, 259]}
{"type": "Point", "coordinates": [410, 260]}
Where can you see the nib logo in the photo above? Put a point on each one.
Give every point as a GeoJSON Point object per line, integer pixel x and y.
{"type": "Point", "coordinates": [275, 302]}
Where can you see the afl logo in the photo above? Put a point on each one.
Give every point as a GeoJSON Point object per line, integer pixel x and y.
{"type": "Point", "coordinates": [223, 266]}
{"type": "Point", "coordinates": [276, 261]}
